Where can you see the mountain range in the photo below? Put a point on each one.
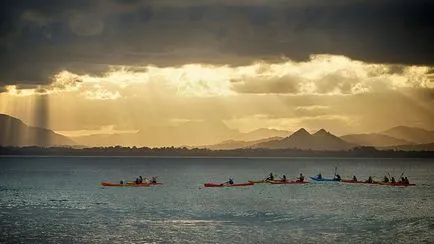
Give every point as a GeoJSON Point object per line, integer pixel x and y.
{"type": "Point", "coordinates": [301, 139]}
{"type": "Point", "coordinates": [192, 134]}
{"type": "Point", "coordinates": [217, 136]}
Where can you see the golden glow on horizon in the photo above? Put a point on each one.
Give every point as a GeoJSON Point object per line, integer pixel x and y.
{"type": "Point", "coordinates": [326, 91]}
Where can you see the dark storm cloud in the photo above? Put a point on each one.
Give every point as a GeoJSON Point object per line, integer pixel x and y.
{"type": "Point", "coordinates": [39, 38]}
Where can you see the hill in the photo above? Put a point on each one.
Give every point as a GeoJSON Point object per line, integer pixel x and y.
{"type": "Point", "coordinates": [234, 144]}
{"type": "Point", "coordinates": [374, 140]}
{"type": "Point", "coordinates": [301, 139]}
{"type": "Point", "coordinates": [414, 135]}
{"type": "Point", "coordinates": [13, 132]}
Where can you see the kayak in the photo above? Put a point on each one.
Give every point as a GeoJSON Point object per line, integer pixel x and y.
{"type": "Point", "coordinates": [149, 183]}
{"type": "Point", "coordinates": [258, 181]}
{"type": "Point", "coordinates": [288, 182]}
{"type": "Point", "coordinates": [128, 184]}
{"type": "Point", "coordinates": [315, 178]}
{"type": "Point", "coordinates": [227, 185]}
{"type": "Point", "coordinates": [360, 182]}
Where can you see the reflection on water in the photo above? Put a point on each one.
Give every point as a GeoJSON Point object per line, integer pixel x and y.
{"type": "Point", "coordinates": [60, 200]}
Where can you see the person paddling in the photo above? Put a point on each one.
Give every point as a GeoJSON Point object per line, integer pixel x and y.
{"type": "Point", "coordinates": [319, 176]}
{"type": "Point", "coordinates": [392, 180]}
{"type": "Point", "coordinates": [301, 178]}
{"type": "Point", "coordinates": [386, 179]}
{"type": "Point", "coordinates": [283, 178]}
{"type": "Point", "coordinates": [369, 179]}
{"type": "Point", "coordinates": [354, 178]}
{"type": "Point", "coordinates": [270, 178]}
{"type": "Point", "coordinates": [154, 180]}
{"type": "Point", "coordinates": [230, 181]}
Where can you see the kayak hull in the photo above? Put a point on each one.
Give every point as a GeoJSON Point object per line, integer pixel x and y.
{"type": "Point", "coordinates": [258, 181]}
{"type": "Point", "coordinates": [396, 184]}
{"type": "Point", "coordinates": [227, 185]}
{"type": "Point", "coordinates": [288, 182]}
{"type": "Point", "coordinates": [360, 182]}
{"type": "Point", "coordinates": [123, 185]}
{"type": "Point", "coordinates": [324, 179]}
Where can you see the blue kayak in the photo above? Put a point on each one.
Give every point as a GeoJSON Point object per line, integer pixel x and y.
{"type": "Point", "coordinates": [323, 179]}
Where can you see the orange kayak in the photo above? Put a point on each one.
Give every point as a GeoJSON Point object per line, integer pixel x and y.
{"type": "Point", "coordinates": [128, 184]}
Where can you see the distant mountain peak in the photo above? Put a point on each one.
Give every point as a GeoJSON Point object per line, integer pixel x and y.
{"type": "Point", "coordinates": [301, 131]}
{"type": "Point", "coordinates": [321, 132]}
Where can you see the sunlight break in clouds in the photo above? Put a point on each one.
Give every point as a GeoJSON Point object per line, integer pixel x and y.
{"type": "Point", "coordinates": [331, 92]}
{"type": "Point", "coordinates": [323, 74]}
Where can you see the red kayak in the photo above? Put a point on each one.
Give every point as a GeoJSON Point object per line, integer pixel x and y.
{"type": "Point", "coordinates": [288, 182]}
{"type": "Point", "coordinates": [379, 183]}
{"type": "Point", "coordinates": [227, 185]}
{"type": "Point", "coordinates": [360, 182]}
{"type": "Point", "coordinates": [127, 184]}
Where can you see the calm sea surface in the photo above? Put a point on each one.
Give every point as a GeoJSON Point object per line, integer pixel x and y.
{"type": "Point", "coordinates": [59, 200]}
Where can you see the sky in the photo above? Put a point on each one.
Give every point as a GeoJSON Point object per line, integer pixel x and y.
{"type": "Point", "coordinates": [123, 66]}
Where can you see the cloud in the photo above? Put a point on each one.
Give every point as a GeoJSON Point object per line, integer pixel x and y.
{"type": "Point", "coordinates": [42, 38]}
{"type": "Point", "coordinates": [286, 84]}
{"type": "Point", "coordinates": [322, 75]}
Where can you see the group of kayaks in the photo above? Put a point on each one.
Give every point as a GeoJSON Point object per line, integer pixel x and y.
{"type": "Point", "coordinates": [389, 182]}
{"type": "Point", "coordinates": [252, 182]}
{"type": "Point", "coordinates": [270, 180]}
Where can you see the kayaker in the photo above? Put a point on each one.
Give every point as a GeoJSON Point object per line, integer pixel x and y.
{"type": "Point", "coordinates": [406, 181]}
{"type": "Point", "coordinates": [386, 179]}
{"type": "Point", "coordinates": [154, 180]}
{"type": "Point", "coordinates": [319, 176]}
{"type": "Point", "coordinates": [369, 179]}
{"type": "Point", "coordinates": [141, 179]}
{"type": "Point", "coordinates": [271, 177]}
{"type": "Point", "coordinates": [301, 177]}
{"type": "Point", "coordinates": [392, 180]}
{"type": "Point", "coordinates": [283, 178]}
{"type": "Point", "coordinates": [354, 178]}
{"type": "Point", "coordinates": [402, 179]}
{"type": "Point", "coordinates": [122, 182]}
{"type": "Point", "coordinates": [137, 181]}
{"type": "Point", "coordinates": [337, 177]}
{"type": "Point", "coordinates": [230, 181]}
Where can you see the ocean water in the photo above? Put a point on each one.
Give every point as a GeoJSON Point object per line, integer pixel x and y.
{"type": "Point", "coordinates": [60, 200]}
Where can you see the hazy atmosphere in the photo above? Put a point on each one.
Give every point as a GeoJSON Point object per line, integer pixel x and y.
{"type": "Point", "coordinates": [217, 121]}
{"type": "Point", "coordinates": [207, 71]}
